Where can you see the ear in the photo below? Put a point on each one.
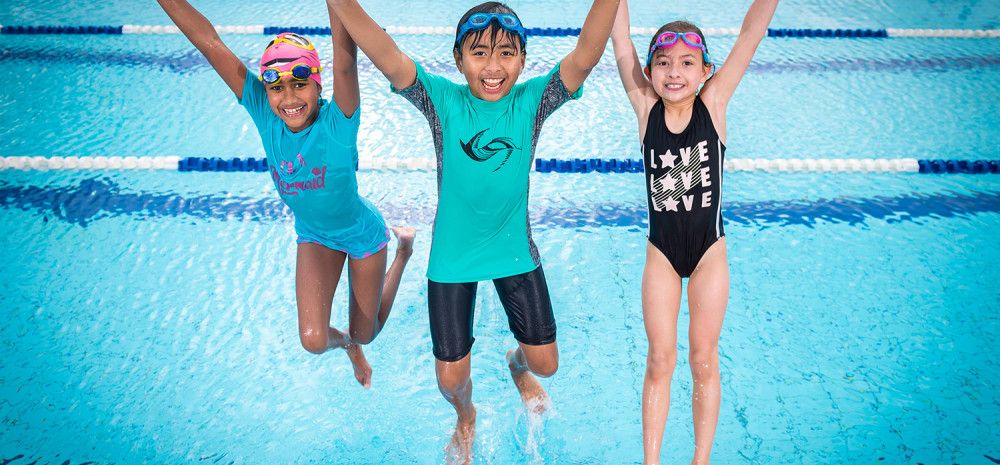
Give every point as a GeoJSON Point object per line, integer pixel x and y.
{"type": "Point", "coordinates": [458, 59]}
{"type": "Point", "coordinates": [708, 72]}
{"type": "Point", "coordinates": [647, 72]}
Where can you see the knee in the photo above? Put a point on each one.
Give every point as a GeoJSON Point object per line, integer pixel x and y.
{"type": "Point", "coordinates": [314, 341]}
{"type": "Point", "coordinates": [451, 387]}
{"type": "Point", "coordinates": [660, 363]}
{"type": "Point", "coordinates": [359, 336]}
{"type": "Point", "coordinates": [704, 361]}
{"type": "Point", "coordinates": [544, 368]}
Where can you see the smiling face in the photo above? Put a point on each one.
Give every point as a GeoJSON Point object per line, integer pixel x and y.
{"type": "Point", "coordinates": [491, 61]}
{"type": "Point", "coordinates": [677, 72]}
{"type": "Point", "coordinates": [295, 102]}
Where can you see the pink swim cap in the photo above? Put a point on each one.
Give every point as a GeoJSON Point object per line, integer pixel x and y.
{"type": "Point", "coordinates": [289, 49]}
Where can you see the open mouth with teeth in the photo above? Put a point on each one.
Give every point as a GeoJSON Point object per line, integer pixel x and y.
{"type": "Point", "coordinates": [674, 86]}
{"type": "Point", "coordinates": [294, 112]}
{"type": "Point", "coordinates": [492, 85]}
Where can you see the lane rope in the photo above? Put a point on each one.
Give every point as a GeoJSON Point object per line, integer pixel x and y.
{"type": "Point", "coordinates": [535, 31]}
{"type": "Point", "coordinates": [541, 165]}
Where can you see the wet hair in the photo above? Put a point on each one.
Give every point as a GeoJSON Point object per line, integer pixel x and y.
{"type": "Point", "coordinates": [679, 26]}
{"type": "Point", "coordinates": [496, 30]}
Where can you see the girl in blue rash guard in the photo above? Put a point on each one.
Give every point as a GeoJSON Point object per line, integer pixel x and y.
{"type": "Point", "coordinates": [484, 133]}
{"type": "Point", "coordinates": [682, 126]}
{"type": "Point", "coordinates": [312, 155]}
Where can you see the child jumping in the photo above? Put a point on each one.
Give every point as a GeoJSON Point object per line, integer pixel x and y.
{"type": "Point", "coordinates": [484, 134]}
{"type": "Point", "coordinates": [311, 149]}
{"type": "Point", "coordinates": [681, 110]}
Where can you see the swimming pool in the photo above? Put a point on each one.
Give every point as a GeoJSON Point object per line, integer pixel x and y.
{"type": "Point", "coordinates": [142, 326]}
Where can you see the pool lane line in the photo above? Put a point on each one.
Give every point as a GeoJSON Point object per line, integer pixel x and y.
{"type": "Point", "coordinates": [860, 33]}
{"type": "Point", "coordinates": [541, 165]}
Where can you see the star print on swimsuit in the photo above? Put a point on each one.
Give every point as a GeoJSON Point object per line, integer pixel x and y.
{"type": "Point", "coordinates": [666, 195]}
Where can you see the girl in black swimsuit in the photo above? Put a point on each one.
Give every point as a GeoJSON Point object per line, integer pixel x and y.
{"type": "Point", "coordinates": [682, 126]}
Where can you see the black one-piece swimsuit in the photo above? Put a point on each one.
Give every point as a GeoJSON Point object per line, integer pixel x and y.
{"type": "Point", "coordinates": [683, 186]}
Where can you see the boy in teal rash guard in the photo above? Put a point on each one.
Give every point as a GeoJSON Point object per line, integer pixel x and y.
{"type": "Point", "coordinates": [484, 137]}
{"type": "Point", "coordinates": [312, 155]}
{"type": "Point", "coordinates": [484, 153]}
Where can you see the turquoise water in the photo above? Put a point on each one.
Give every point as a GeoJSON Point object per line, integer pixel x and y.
{"type": "Point", "coordinates": [141, 325]}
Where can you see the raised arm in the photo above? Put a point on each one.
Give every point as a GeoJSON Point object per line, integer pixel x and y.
{"type": "Point", "coordinates": [720, 88]}
{"type": "Point", "coordinates": [346, 92]}
{"type": "Point", "coordinates": [640, 92]}
{"type": "Point", "coordinates": [575, 68]}
{"type": "Point", "coordinates": [202, 34]}
{"type": "Point", "coordinates": [377, 45]}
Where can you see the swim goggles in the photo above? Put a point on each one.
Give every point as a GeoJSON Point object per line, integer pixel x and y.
{"type": "Point", "coordinates": [480, 21]}
{"type": "Point", "coordinates": [299, 72]}
{"type": "Point", "coordinates": [669, 38]}
{"type": "Point", "coordinates": [292, 39]}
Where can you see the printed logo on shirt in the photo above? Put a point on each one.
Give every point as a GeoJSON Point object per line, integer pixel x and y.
{"type": "Point", "coordinates": [294, 177]}
{"type": "Point", "coordinates": [674, 189]}
{"type": "Point", "coordinates": [481, 152]}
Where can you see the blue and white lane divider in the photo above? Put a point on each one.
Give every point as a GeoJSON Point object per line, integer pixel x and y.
{"type": "Point", "coordinates": [536, 31]}
{"type": "Point", "coordinates": [575, 165]}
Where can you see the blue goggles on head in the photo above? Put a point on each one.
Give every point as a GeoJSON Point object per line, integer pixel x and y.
{"type": "Point", "coordinates": [480, 21]}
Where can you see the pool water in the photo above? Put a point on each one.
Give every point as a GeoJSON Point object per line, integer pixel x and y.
{"type": "Point", "coordinates": [143, 323]}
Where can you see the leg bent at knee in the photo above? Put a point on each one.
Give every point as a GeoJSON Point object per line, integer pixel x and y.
{"type": "Point", "coordinates": [453, 388]}
{"type": "Point", "coordinates": [362, 336]}
{"type": "Point", "coordinates": [543, 367]}
{"type": "Point", "coordinates": [314, 341]}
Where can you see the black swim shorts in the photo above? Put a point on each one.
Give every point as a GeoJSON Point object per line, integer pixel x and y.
{"type": "Point", "coordinates": [525, 299]}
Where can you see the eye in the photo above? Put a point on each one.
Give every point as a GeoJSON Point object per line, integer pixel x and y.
{"type": "Point", "coordinates": [275, 88]}
{"type": "Point", "coordinates": [507, 53]}
{"type": "Point", "coordinates": [688, 62]}
{"type": "Point", "coordinates": [300, 85]}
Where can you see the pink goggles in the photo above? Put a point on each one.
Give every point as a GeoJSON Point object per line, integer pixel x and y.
{"type": "Point", "coordinates": [669, 39]}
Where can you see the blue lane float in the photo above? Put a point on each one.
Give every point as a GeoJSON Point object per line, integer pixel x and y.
{"type": "Point", "coordinates": [222, 164]}
{"type": "Point", "coordinates": [960, 166]}
{"type": "Point", "coordinates": [71, 30]}
{"type": "Point", "coordinates": [535, 31]}
{"type": "Point", "coordinates": [830, 33]}
{"type": "Point", "coordinates": [306, 31]}
{"type": "Point", "coordinates": [840, 165]}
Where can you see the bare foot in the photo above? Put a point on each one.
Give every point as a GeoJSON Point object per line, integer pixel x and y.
{"type": "Point", "coordinates": [404, 236]}
{"type": "Point", "coordinates": [362, 370]}
{"type": "Point", "coordinates": [535, 399]}
{"type": "Point", "coordinates": [459, 450]}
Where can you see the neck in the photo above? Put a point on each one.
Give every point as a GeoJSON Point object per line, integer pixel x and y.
{"type": "Point", "coordinates": [679, 108]}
